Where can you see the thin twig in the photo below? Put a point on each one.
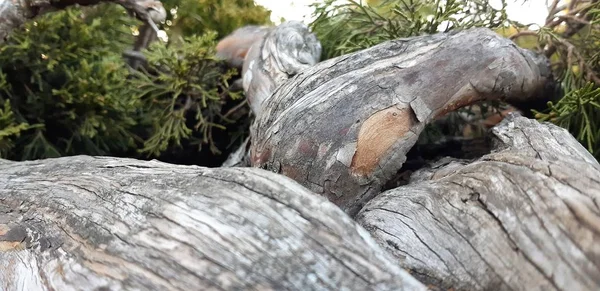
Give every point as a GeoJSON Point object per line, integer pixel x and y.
{"type": "Point", "coordinates": [523, 33]}
{"type": "Point", "coordinates": [236, 108]}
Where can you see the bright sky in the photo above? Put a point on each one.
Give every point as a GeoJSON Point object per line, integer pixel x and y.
{"type": "Point", "coordinates": [533, 11]}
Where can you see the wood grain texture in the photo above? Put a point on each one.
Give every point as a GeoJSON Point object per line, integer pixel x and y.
{"type": "Point", "coordinates": [286, 50]}
{"type": "Point", "coordinates": [524, 217]}
{"type": "Point", "coordinates": [318, 122]}
{"type": "Point", "coordinates": [235, 46]}
{"type": "Point", "coordinates": [84, 223]}
{"type": "Point", "coordinates": [377, 135]}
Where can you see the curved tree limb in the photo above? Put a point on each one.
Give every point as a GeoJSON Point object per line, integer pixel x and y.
{"type": "Point", "coordinates": [524, 217]}
{"type": "Point", "coordinates": [286, 50]}
{"type": "Point", "coordinates": [83, 223]}
{"type": "Point", "coordinates": [148, 32]}
{"type": "Point", "coordinates": [234, 47]}
{"type": "Point", "coordinates": [342, 127]}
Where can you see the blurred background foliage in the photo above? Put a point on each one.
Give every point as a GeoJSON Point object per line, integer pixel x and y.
{"type": "Point", "coordinates": [354, 25]}
{"type": "Point", "coordinates": [65, 87]}
{"type": "Point", "coordinates": [193, 17]}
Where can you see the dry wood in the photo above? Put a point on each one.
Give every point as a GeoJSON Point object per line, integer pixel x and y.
{"type": "Point", "coordinates": [239, 157]}
{"type": "Point", "coordinates": [148, 32]}
{"type": "Point", "coordinates": [285, 51]}
{"type": "Point", "coordinates": [234, 47]}
{"type": "Point", "coordinates": [342, 128]}
{"type": "Point", "coordinates": [83, 223]}
{"type": "Point", "coordinates": [525, 217]}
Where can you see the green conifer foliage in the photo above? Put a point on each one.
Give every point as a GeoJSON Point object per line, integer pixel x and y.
{"type": "Point", "coordinates": [185, 95]}
{"type": "Point", "coordinates": [348, 26]}
{"type": "Point", "coordinates": [65, 87]}
{"type": "Point", "coordinates": [191, 17]}
{"type": "Point", "coordinates": [66, 75]}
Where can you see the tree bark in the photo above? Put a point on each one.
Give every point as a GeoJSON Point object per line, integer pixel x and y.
{"type": "Point", "coordinates": [148, 33]}
{"type": "Point", "coordinates": [285, 51]}
{"type": "Point", "coordinates": [240, 157]}
{"type": "Point", "coordinates": [524, 217]}
{"type": "Point", "coordinates": [83, 223]}
{"type": "Point", "coordinates": [342, 128]}
{"type": "Point", "coordinates": [234, 47]}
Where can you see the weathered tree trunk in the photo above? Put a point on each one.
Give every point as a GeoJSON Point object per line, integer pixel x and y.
{"type": "Point", "coordinates": [524, 217]}
{"type": "Point", "coordinates": [83, 223]}
{"type": "Point", "coordinates": [342, 127]}
{"type": "Point", "coordinates": [285, 51]}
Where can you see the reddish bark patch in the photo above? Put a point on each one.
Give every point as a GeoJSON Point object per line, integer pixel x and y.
{"type": "Point", "coordinates": [259, 157]}
{"type": "Point", "coordinates": [241, 54]}
{"type": "Point", "coordinates": [291, 172]}
{"type": "Point", "coordinates": [344, 131]}
{"type": "Point", "coordinates": [377, 134]}
{"type": "Point", "coordinates": [307, 148]}
{"type": "Point", "coordinates": [6, 246]}
{"type": "Point", "coordinates": [494, 119]}
{"type": "Point", "coordinates": [461, 102]}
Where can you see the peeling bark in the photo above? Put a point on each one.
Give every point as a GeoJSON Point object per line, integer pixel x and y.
{"type": "Point", "coordinates": [234, 47]}
{"type": "Point", "coordinates": [83, 223]}
{"type": "Point", "coordinates": [343, 127]}
{"type": "Point", "coordinates": [524, 217]}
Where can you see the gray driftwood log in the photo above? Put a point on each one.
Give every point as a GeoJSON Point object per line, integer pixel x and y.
{"type": "Point", "coordinates": [83, 223]}
{"type": "Point", "coordinates": [285, 51]}
{"type": "Point", "coordinates": [524, 217]}
{"type": "Point", "coordinates": [342, 127]}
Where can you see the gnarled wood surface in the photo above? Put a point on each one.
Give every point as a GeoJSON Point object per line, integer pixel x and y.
{"type": "Point", "coordinates": [234, 47]}
{"type": "Point", "coordinates": [342, 128]}
{"type": "Point", "coordinates": [285, 51]}
{"type": "Point", "coordinates": [83, 223]}
{"type": "Point", "coordinates": [525, 217]}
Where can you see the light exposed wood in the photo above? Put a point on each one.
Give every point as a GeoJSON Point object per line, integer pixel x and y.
{"type": "Point", "coordinates": [239, 157]}
{"type": "Point", "coordinates": [377, 135]}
